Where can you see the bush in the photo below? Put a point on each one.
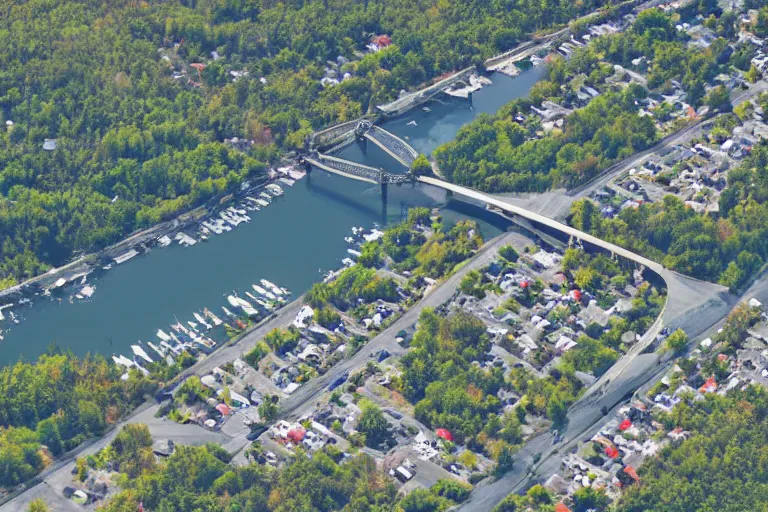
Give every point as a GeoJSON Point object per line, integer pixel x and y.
{"type": "Point", "coordinates": [256, 354]}
{"type": "Point", "coordinates": [509, 253]}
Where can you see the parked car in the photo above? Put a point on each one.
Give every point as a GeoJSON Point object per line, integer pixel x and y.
{"type": "Point", "coordinates": [338, 381]}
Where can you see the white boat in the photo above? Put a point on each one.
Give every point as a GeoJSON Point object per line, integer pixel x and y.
{"type": "Point", "coordinates": [265, 293]}
{"type": "Point", "coordinates": [139, 352]}
{"type": "Point", "coordinates": [349, 240]}
{"type": "Point", "coordinates": [163, 336]}
{"type": "Point", "coordinates": [175, 350]}
{"type": "Point", "coordinates": [426, 109]}
{"type": "Point", "coordinates": [287, 181]}
{"type": "Point", "coordinates": [164, 241]}
{"type": "Point", "coordinates": [216, 320]}
{"type": "Point", "coordinates": [265, 305]}
{"type": "Point", "coordinates": [122, 361]}
{"type": "Point", "coordinates": [141, 369]}
{"type": "Point", "coordinates": [275, 189]}
{"type": "Point", "coordinates": [193, 325]}
{"type": "Point", "coordinates": [228, 312]}
{"type": "Point", "coordinates": [242, 304]}
{"type": "Point", "coordinates": [272, 286]}
{"type": "Point", "coordinates": [251, 296]}
{"type": "Point", "coordinates": [200, 319]}
{"type": "Point", "coordinates": [354, 253]}
{"type": "Point", "coordinates": [169, 360]}
{"type": "Point", "coordinates": [411, 123]}
{"type": "Point", "coordinates": [265, 197]}
{"type": "Point", "coordinates": [179, 327]}
{"type": "Point", "coordinates": [184, 239]}
{"type": "Point", "coordinates": [262, 202]}
{"type": "Point", "coordinates": [160, 350]}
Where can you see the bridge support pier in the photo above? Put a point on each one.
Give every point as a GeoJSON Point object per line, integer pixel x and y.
{"type": "Point", "coordinates": [384, 203]}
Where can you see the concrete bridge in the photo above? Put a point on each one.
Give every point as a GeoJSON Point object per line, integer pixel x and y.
{"type": "Point", "coordinates": [691, 303]}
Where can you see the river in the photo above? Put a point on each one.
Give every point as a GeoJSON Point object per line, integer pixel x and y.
{"type": "Point", "coordinates": [292, 242]}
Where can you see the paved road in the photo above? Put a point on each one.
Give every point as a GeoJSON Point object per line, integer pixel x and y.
{"type": "Point", "coordinates": [60, 474]}
{"type": "Point", "coordinates": [306, 396]}
{"type": "Point", "coordinates": [56, 477]}
{"type": "Point", "coordinates": [556, 204]}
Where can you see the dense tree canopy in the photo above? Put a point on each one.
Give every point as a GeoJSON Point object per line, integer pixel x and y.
{"type": "Point", "coordinates": [729, 247]}
{"type": "Point", "coordinates": [58, 401]}
{"type": "Point", "coordinates": [721, 467]}
{"type": "Point", "coordinates": [139, 105]}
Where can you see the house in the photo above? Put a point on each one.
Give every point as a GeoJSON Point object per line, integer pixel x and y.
{"type": "Point", "coordinates": [710, 386]}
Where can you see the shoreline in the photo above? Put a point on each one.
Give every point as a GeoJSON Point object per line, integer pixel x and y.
{"type": "Point", "coordinates": [142, 240]}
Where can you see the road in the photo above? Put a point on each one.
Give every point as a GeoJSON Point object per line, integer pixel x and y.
{"type": "Point", "coordinates": [57, 476]}
{"type": "Point", "coordinates": [691, 303]}
{"type": "Point", "coordinates": [556, 204]}
{"type": "Point", "coordinates": [585, 418]}
{"type": "Point", "coordinates": [306, 396]}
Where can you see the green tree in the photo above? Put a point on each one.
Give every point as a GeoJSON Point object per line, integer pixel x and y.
{"type": "Point", "coordinates": [38, 505]}
{"type": "Point", "coordinates": [372, 423]}
{"type": "Point", "coordinates": [719, 99]}
{"type": "Point", "coordinates": [677, 341]}
{"type": "Point", "coordinates": [268, 408]}
{"type": "Point", "coordinates": [421, 166]}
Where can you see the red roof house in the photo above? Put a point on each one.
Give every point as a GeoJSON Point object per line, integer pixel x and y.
{"type": "Point", "coordinates": [382, 41]}
{"type": "Point", "coordinates": [710, 386]}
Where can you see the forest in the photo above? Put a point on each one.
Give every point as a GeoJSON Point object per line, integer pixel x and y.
{"type": "Point", "coordinates": [508, 152]}
{"type": "Point", "coordinates": [200, 478]}
{"type": "Point", "coordinates": [720, 467]}
{"type": "Point", "coordinates": [59, 401]}
{"type": "Point", "coordinates": [136, 99]}
{"type": "Point", "coordinates": [728, 248]}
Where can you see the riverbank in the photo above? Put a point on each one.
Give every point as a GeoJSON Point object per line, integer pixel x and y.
{"type": "Point", "coordinates": [143, 239]}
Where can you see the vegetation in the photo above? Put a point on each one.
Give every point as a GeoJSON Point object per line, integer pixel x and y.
{"type": "Point", "coordinates": [91, 77]}
{"type": "Point", "coordinates": [507, 152]}
{"type": "Point", "coordinates": [730, 247]}
{"type": "Point", "coordinates": [200, 478]}
{"type": "Point", "coordinates": [599, 348]}
{"type": "Point", "coordinates": [58, 402]}
{"type": "Point", "coordinates": [496, 154]}
{"type": "Point", "coordinates": [719, 467]}
{"type": "Point", "coordinates": [452, 393]}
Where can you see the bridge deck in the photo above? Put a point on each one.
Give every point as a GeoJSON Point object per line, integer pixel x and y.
{"type": "Point", "coordinates": [354, 170]}
{"type": "Point", "coordinates": [328, 167]}
{"type": "Point", "coordinates": [393, 145]}
{"type": "Point", "coordinates": [545, 221]}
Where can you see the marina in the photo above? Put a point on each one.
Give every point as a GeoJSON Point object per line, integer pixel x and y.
{"type": "Point", "coordinates": [291, 235]}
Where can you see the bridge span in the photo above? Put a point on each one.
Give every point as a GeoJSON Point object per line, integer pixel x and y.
{"type": "Point", "coordinates": [393, 145]}
{"type": "Point", "coordinates": [355, 171]}
{"type": "Point", "coordinates": [690, 302]}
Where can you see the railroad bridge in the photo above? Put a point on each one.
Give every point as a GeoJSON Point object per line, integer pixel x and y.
{"type": "Point", "coordinates": [365, 130]}
{"type": "Point", "coordinates": [354, 170]}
